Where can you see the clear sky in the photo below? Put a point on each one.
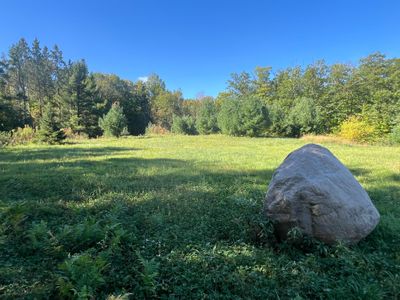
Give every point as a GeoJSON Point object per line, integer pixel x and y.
{"type": "Point", "coordinates": [195, 45]}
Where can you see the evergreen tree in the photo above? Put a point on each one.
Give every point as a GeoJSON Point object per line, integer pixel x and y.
{"type": "Point", "coordinates": [183, 125]}
{"type": "Point", "coordinates": [206, 121]}
{"type": "Point", "coordinates": [229, 116]}
{"type": "Point", "coordinates": [49, 129]}
{"type": "Point", "coordinates": [18, 77]}
{"type": "Point", "coordinates": [82, 99]}
{"type": "Point", "coordinates": [243, 116]}
{"type": "Point", "coordinates": [114, 122]}
{"type": "Point", "coordinates": [254, 116]}
{"type": "Point", "coordinates": [40, 79]}
{"type": "Point", "coordinates": [132, 97]}
{"type": "Point", "coordinates": [302, 119]}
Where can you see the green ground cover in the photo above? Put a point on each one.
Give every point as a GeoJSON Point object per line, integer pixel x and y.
{"type": "Point", "coordinates": [179, 217]}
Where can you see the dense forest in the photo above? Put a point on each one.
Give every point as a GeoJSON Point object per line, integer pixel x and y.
{"type": "Point", "coordinates": [41, 90]}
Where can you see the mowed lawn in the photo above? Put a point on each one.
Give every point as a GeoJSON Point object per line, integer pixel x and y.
{"type": "Point", "coordinates": [178, 217]}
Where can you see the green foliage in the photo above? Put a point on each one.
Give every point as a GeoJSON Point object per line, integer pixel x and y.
{"type": "Point", "coordinates": [17, 136]}
{"type": "Point", "coordinates": [81, 276]}
{"type": "Point", "coordinates": [80, 236]}
{"type": "Point", "coordinates": [149, 275]}
{"type": "Point", "coordinates": [254, 117]}
{"type": "Point", "coordinates": [164, 106]}
{"type": "Point", "coordinates": [80, 92]}
{"type": "Point", "coordinates": [183, 125]}
{"type": "Point", "coordinates": [23, 135]}
{"type": "Point", "coordinates": [114, 122]}
{"type": "Point", "coordinates": [278, 120]}
{"type": "Point", "coordinates": [206, 120]}
{"type": "Point", "coordinates": [145, 216]}
{"type": "Point", "coordinates": [49, 130]}
{"type": "Point", "coordinates": [229, 119]}
{"type": "Point", "coordinates": [312, 99]}
{"type": "Point", "coordinates": [5, 138]}
{"type": "Point", "coordinates": [10, 117]}
{"type": "Point", "coordinates": [132, 97]}
{"type": "Point", "coordinates": [240, 116]}
{"type": "Point", "coordinates": [302, 119]}
{"type": "Point", "coordinates": [155, 85]}
{"type": "Point", "coordinates": [394, 135]}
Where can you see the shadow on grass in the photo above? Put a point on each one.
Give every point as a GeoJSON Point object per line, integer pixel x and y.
{"type": "Point", "coordinates": [51, 153]}
{"type": "Point", "coordinates": [357, 171]}
{"type": "Point", "coordinates": [175, 191]}
{"type": "Point", "coordinates": [178, 211]}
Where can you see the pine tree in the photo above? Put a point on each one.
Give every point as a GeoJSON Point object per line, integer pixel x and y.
{"type": "Point", "coordinates": [82, 99]}
{"type": "Point", "coordinates": [49, 130]}
{"type": "Point", "coordinates": [206, 122]}
{"type": "Point", "coordinates": [114, 122]}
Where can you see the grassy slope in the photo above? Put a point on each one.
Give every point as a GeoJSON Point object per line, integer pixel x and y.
{"type": "Point", "coordinates": [179, 215]}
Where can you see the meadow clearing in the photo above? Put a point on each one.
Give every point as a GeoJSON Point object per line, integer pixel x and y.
{"type": "Point", "coordinates": [180, 217]}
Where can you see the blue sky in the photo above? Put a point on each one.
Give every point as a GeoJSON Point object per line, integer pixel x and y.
{"type": "Point", "coordinates": [195, 45]}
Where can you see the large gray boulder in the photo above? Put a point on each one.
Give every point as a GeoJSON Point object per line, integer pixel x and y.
{"type": "Point", "coordinates": [314, 191]}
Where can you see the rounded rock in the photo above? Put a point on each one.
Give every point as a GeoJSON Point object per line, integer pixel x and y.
{"type": "Point", "coordinates": [314, 191]}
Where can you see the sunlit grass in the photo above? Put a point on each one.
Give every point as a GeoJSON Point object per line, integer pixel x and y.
{"type": "Point", "coordinates": [184, 209]}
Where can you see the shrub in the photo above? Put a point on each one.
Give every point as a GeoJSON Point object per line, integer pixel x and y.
{"type": "Point", "coordinates": [155, 129]}
{"type": "Point", "coordinates": [358, 130]}
{"type": "Point", "coordinates": [125, 131]}
{"type": "Point", "coordinates": [183, 125]}
{"type": "Point", "coordinates": [23, 135]}
{"type": "Point", "coordinates": [206, 122]}
{"type": "Point", "coordinates": [71, 134]}
{"type": "Point", "coordinates": [394, 135]}
{"type": "Point", "coordinates": [17, 136]}
{"type": "Point", "coordinates": [5, 138]}
{"type": "Point", "coordinates": [49, 130]}
{"type": "Point", "coordinates": [114, 122]}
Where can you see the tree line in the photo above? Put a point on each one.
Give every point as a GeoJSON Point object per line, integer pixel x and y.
{"type": "Point", "coordinates": [39, 88]}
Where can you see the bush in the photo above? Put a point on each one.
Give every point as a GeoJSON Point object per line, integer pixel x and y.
{"type": "Point", "coordinates": [183, 125]}
{"type": "Point", "coordinates": [23, 135]}
{"type": "Point", "coordinates": [114, 122]}
{"type": "Point", "coordinates": [206, 122]}
{"type": "Point", "coordinates": [49, 130]}
{"type": "Point", "coordinates": [357, 130]}
{"type": "Point", "coordinates": [155, 129]}
{"type": "Point", "coordinates": [394, 135]}
{"type": "Point", "coordinates": [5, 138]}
{"type": "Point", "coordinates": [71, 134]}
{"type": "Point", "coordinates": [125, 131]}
{"type": "Point", "coordinates": [17, 136]}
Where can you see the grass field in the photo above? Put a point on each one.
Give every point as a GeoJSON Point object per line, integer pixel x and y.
{"type": "Point", "coordinates": [179, 217]}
